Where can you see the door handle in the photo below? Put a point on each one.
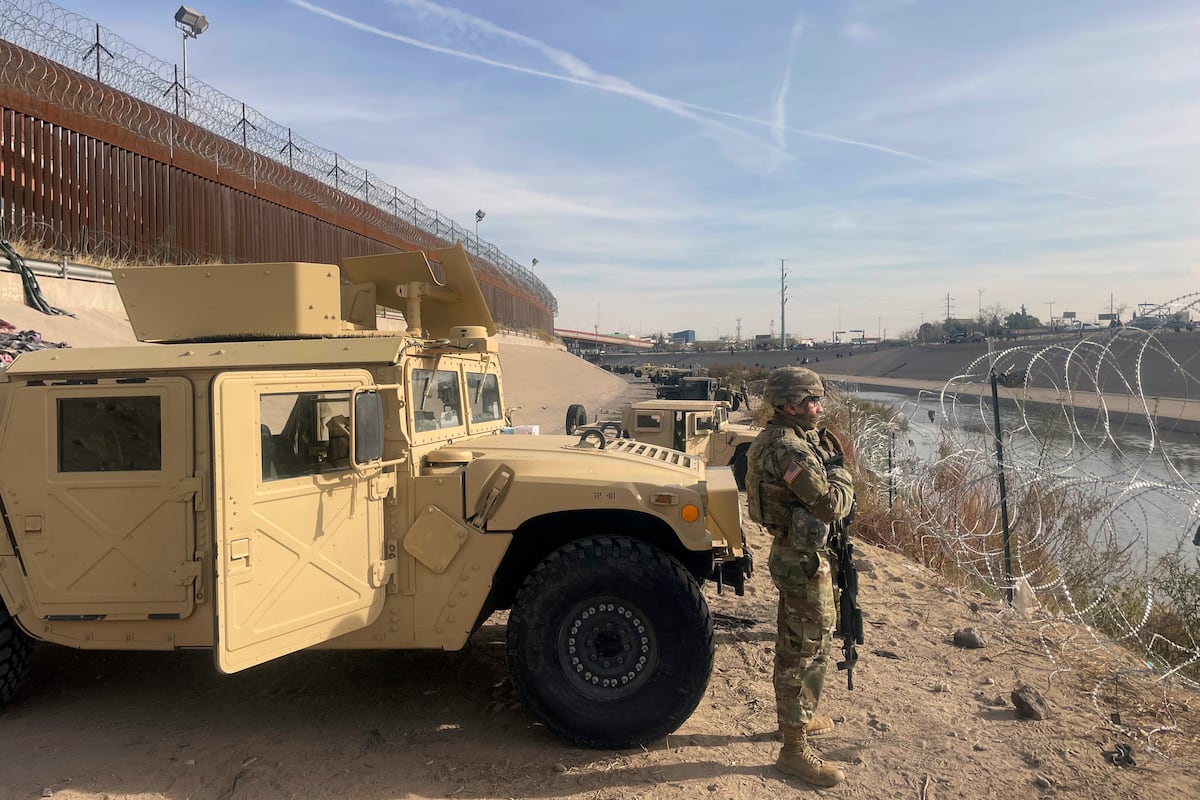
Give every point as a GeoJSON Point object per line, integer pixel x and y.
{"type": "Point", "coordinates": [239, 550]}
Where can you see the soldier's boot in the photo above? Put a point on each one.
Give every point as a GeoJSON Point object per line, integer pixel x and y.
{"type": "Point", "coordinates": [819, 725]}
{"type": "Point", "coordinates": [798, 759]}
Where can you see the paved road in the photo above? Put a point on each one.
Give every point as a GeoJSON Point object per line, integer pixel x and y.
{"type": "Point", "coordinates": [1166, 411]}
{"type": "Point", "coordinates": [1086, 372]}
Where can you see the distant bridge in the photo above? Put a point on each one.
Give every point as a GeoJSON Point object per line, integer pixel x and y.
{"type": "Point", "coordinates": [581, 340]}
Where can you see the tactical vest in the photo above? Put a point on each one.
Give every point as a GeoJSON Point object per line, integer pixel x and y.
{"type": "Point", "coordinates": [768, 502]}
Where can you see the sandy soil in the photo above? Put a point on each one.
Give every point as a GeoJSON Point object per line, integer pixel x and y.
{"type": "Point", "coordinates": [925, 720]}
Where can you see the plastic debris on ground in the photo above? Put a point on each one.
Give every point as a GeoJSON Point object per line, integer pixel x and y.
{"type": "Point", "coordinates": [14, 342]}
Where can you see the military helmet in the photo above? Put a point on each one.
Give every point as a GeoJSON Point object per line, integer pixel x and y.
{"type": "Point", "coordinates": [787, 386]}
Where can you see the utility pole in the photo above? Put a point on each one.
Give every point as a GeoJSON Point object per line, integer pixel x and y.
{"type": "Point", "coordinates": [981, 303]}
{"type": "Point", "coordinates": [1051, 304]}
{"type": "Point", "coordinates": [739, 330]}
{"type": "Point", "coordinates": [948, 299]}
{"type": "Point", "coordinates": [782, 304]}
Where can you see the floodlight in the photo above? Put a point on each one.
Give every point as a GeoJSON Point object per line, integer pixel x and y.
{"type": "Point", "coordinates": [190, 21]}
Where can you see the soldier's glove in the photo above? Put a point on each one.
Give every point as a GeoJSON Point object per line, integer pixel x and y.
{"type": "Point", "coordinates": [836, 460]}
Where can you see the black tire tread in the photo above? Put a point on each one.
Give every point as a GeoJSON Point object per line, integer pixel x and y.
{"type": "Point", "coordinates": [740, 466]}
{"type": "Point", "coordinates": [616, 550]}
{"type": "Point", "coordinates": [15, 648]}
{"type": "Point", "coordinates": [576, 418]}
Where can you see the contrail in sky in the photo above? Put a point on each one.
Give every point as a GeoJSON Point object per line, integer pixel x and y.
{"type": "Point", "coordinates": [595, 80]}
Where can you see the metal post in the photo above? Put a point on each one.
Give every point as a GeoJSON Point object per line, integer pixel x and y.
{"type": "Point", "coordinates": [185, 89]}
{"type": "Point", "coordinates": [891, 475]}
{"type": "Point", "coordinates": [1008, 575]}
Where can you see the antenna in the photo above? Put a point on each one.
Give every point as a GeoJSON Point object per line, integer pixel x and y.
{"type": "Point", "coordinates": [782, 304]}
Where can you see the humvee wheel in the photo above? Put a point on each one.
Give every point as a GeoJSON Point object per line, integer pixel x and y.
{"type": "Point", "coordinates": [740, 467]}
{"type": "Point", "coordinates": [576, 417]}
{"type": "Point", "coordinates": [15, 647]}
{"type": "Point", "coordinates": [610, 642]}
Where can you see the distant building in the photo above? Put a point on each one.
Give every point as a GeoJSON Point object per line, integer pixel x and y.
{"type": "Point", "coordinates": [684, 337]}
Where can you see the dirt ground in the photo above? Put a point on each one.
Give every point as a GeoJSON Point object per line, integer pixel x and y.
{"type": "Point", "coordinates": [926, 719]}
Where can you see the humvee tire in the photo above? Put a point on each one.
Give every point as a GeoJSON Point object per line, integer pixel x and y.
{"type": "Point", "coordinates": [15, 648]}
{"type": "Point", "coordinates": [576, 418]}
{"type": "Point", "coordinates": [740, 467]}
{"type": "Point", "coordinates": [578, 623]}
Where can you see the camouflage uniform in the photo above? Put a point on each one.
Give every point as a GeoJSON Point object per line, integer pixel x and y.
{"type": "Point", "coordinates": [795, 496]}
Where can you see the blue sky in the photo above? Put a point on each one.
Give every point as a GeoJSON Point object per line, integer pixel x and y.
{"type": "Point", "coordinates": [659, 158]}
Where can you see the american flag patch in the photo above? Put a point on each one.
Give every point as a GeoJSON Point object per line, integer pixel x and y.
{"type": "Point", "coordinates": [792, 472]}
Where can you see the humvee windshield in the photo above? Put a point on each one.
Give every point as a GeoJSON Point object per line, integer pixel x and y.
{"type": "Point", "coordinates": [436, 400]}
{"type": "Point", "coordinates": [483, 392]}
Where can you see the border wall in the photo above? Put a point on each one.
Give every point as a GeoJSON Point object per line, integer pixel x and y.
{"type": "Point", "coordinates": [88, 169]}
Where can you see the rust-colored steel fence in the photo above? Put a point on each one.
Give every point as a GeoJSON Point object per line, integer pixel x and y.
{"type": "Point", "coordinates": [85, 168]}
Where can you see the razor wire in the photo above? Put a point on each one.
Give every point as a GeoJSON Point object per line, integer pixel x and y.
{"type": "Point", "coordinates": [1103, 513]}
{"type": "Point", "coordinates": [277, 154]}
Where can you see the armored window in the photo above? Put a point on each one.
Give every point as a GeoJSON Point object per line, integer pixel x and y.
{"type": "Point", "coordinates": [483, 393]}
{"type": "Point", "coordinates": [648, 422]}
{"type": "Point", "coordinates": [109, 434]}
{"type": "Point", "coordinates": [704, 422]}
{"type": "Point", "coordinates": [304, 433]}
{"type": "Point", "coordinates": [436, 400]}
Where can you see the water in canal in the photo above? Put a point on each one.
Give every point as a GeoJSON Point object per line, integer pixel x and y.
{"type": "Point", "coordinates": [1150, 479]}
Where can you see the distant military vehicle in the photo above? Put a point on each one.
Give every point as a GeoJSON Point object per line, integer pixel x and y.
{"type": "Point", "coordinates": [276, 474]}
{"type": "Point", "coordinates": [696, 427]}
{"type": "Point", "coordinates": [700, 388]}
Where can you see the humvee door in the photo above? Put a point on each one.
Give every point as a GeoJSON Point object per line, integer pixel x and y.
{"type": "Point", "coordinates": [298, 527]}
{"type": "Point", "coordinates": [100, 491]}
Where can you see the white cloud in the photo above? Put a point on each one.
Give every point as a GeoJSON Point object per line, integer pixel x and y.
{"type": "Point", "coordinates": [859, 32]}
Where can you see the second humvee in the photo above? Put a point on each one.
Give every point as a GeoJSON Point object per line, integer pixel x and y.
{"type": "Point", "coordinates": [273, 473]}
{"type": "Point", "coordinates": [697, 427]}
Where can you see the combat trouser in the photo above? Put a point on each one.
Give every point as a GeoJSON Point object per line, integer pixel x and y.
{"type": "Point", "coordinates": [806, 620]}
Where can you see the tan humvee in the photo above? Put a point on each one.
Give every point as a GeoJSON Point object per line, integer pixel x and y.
{"type": "Point", "coordinates": [696, 427]}
{"type": "Point", "coordinates": [276, 474]}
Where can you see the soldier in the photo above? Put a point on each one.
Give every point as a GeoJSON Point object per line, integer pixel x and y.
{"type": "Point", "coordinates": [796, 486]}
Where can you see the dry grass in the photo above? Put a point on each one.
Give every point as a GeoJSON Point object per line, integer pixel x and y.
{"type": "Point", "coordinates": [1049, 542]}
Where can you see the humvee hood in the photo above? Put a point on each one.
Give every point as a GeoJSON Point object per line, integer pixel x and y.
{"type": "Point", "coordinates": [554, 474]}
{"type": "Point", "coordinates": [622, 459]}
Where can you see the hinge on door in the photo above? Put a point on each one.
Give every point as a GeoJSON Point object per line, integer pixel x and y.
{"type": "Point", "coordinates": [189, 489]}
{"type": "Point", "coordinates": [186, 573]}
{"type": "Point", "coordinates": [385, 571]}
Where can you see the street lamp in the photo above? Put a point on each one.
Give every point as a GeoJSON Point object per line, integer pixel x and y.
{"type": "Point", "coordinates": [479, 215]}
{"type": "Point", "coordinates": [191, 23]}
{"type": "Point", "coordinates": [533, 264]}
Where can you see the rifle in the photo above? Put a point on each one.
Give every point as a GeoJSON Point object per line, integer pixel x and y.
{"type": "Point", "coordinates": [849, 618]}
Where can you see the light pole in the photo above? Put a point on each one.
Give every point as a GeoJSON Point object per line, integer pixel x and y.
{"type": "Point", "coordinates": [191, 23]}
{"type": "Point", "coordinates": [532, 264]}
{"type": "Point", "coordinates": [782, 305]}
{"type": "Point", "coordinates": [479, 215]}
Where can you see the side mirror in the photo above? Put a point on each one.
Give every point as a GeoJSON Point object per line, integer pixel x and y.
{"type": "Point", "coordinates": [368, 427]}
